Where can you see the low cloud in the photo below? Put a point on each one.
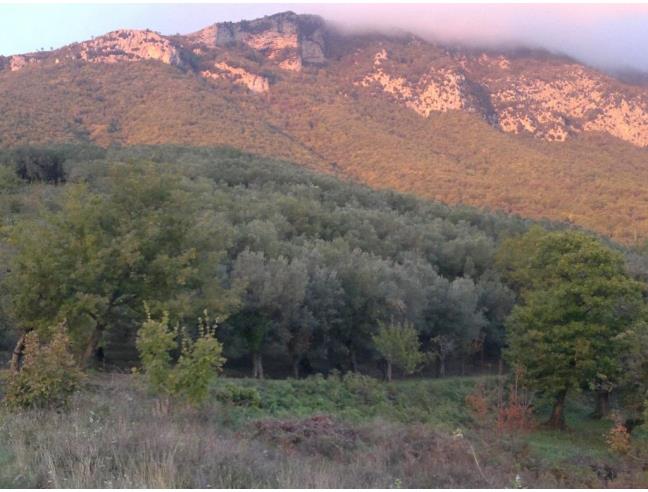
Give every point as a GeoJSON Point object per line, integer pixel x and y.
{"type": "Point", "coordinates": [606, 36]}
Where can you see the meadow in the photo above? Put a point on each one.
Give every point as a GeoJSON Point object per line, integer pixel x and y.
{"type": "Point", "coordinates": [341, 431]}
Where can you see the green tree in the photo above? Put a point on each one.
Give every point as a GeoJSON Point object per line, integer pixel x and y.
{"type": "Point", "coordinates": [399, 345]}
{"type": "Point", "coordinates": [189, 378]}
{"type": "Point", "coordinates": [577, 303]}
{"type": "Point", "coordinates": [97, 256]}
{"type": "Point", "coordinates": [49, 374]}
{"type": "Point", "coordinates": [634, 379]}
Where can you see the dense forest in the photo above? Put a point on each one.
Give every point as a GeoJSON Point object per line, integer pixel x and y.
{"type": "Point", "coordinates": [302, 272]}
{"type": "Point", "coordinates": [356, 313]}
{"type": "Point", "coordinates": [303, 266]}
{"type": "Point", "coordinates": [321, 120]}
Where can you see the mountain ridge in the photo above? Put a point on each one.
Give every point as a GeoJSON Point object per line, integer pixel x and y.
{"type": "Point", "coordinates": [524, 133]}
{"type": "Point", "coordinates": [577, 99]}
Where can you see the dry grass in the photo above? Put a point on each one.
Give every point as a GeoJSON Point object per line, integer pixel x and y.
{"type": "Point", "coordinates": [111, 438]}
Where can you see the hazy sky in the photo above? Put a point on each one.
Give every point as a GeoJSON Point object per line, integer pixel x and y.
{"type": "Point", "coordinates": [610, 36]}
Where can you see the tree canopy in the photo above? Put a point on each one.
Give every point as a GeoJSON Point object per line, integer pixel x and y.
{"type": "Point", "coordinates": [577, 303]}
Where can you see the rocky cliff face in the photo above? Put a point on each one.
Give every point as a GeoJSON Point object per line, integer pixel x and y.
{"type": "Point", "coordinates": [127, 45]}
{"type": "Point", "coordinates": [548, 97]}
{"type": "Point", "coordinates": [290, 40]}
{"type": "Point", "coordinates": [255, 83]}
{"type": "Point", "coordinates": [437, 90]}
{"type": "Point", "coordinates": [552, 99]}
{"type": "Point", "coordinates": [124, 45]}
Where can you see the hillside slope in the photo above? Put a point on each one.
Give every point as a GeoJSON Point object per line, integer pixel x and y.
{"type": "Point", "coordinates": [525, 132]}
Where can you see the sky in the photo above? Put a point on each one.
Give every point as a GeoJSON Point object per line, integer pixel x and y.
{"type": "Point", "coordinates": [608, 36]}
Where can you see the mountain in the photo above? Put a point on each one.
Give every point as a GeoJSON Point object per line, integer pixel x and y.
{"type": "Point", "coordinates": [524, 131]}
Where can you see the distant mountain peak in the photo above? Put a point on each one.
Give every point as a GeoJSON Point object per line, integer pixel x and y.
{"type": "Point", "coordinates": [289, 39]}
{"type": "Point", "coordinates": [519, 91]}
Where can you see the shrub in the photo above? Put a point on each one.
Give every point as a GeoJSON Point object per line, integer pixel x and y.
{"type": "Point", "coordinates": [367, 389]}
{"type": "Point", "coordinates": [618, 438]}
{"type": "Point", "coordinates": [515, 414]}
{"type": "Point", "coordinates": [478, 403]}
{"type": "Point", "coordinates": [239, 395]}
{"type": "Point", "coordinates": [39, 164]}
{"type": "Point", "coordinates": [316, 435]}
{"type": "Point", "coordinates": [399, 345]}
{"type": "Point", "coordinates": [189, 379]}
{"type": "Point", "coordinates": [49, 375]}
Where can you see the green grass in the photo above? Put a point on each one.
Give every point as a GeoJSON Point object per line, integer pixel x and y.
{"type": "Point", "coordinates": [378, 434]}
{"type": "Point", "coordinates": [439, 403]}
{"type": "Point", "coordinates": [355, 398]}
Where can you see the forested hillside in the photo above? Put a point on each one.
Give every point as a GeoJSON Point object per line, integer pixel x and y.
{"type": "Point", "coordinates": [180, 262]}
{"type": "Point", "coordinates": [524, 132]}
{"type": "Point", "coordinates": [303, 266]}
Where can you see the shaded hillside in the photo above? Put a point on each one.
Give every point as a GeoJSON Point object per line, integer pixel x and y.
{"type": "Point", "coordinates": [524, 132]}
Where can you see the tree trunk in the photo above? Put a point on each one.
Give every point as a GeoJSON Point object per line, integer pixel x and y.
{"type": "Point", "coordinates": [389, 371]}
{"type": "Point", "coordinates": [257, 365]}
{"type": "Point", "coordinates": [602, 404]}
{"type": "Point", "coordinates": [354, 361]}
{"type": "Point", "coordinates": [295, 367]}
{"type": "Point", "coordinates": [442, 367]}
{"type": "Point", "coordinates": [91, 347]}
{"type": "Point", "coordinates": [16, 356]}
{"type": "Point", "coordinates": [256, 369]}
{"type": "Point", "coordinates": [557, 419]}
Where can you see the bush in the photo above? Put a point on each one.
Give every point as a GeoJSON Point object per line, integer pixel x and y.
{"type": "Point", "coordinates": [399, 345]}
{"type": "Point", "coordinates": [366, 388]}
{"type": "Point", "coordinates": [189, 379]}
{"type": "Point", "coordinates": [49, 375]}
{"type": "Point", "coordinates": [239, 395]}
{"type": "Point", "coordinates": [316, 435]}
{"type": "Point", "coordinates": [618, 439]}
{"type": "Point", "coordinates": [39, 165]}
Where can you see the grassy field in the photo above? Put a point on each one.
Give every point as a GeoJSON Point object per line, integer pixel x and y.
{"type": "Point", "coordinates": [337, 432]}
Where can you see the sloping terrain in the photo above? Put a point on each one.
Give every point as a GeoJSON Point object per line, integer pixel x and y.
{"type": "Point", "coordinates": [525, 132]}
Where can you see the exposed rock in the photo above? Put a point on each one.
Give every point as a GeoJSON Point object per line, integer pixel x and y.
{"type": "Point", "coordinates": [18, 62]}
{"type": "Point", "coordinates": [255, 83]}
{"type": "Point", "coordinates": [577, 100]}
{"type": "Point", "coordinates": [551, 102]}
{"type": "Point", "coordinates": [524, 92]}
{"type": "Point", "coordinates": [438, 90]}
{"type": "Point", "coordinates": [289, 39]}
{"type": "Point", "coordinates": [126, 45]}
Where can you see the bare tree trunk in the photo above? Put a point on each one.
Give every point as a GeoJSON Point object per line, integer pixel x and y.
{"type": "Point", "coordinates": [260, 366]}
{"type": "Point", "coordinates": [354, 361]}
{"type": "Point", "coordinates": [389, 371]}
{"type": "Point", "coordinates": [16, 356]}
{"type": "Point", "coordinates": [295, 367]}
{"type": "Point", "coordinates": [602, 404]}
{"type": "Point", "coordinates": [557, 419]}
{"type": "Point", "coordinates": [442, 367]}
{"type": "Point", "coordinates": [91, 347]}
{"type": "Point", "coordinates": [255, 365]}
